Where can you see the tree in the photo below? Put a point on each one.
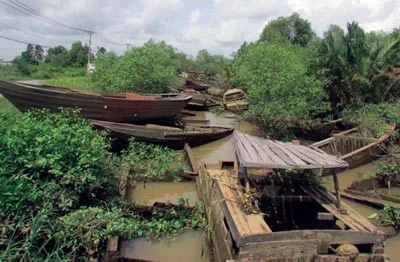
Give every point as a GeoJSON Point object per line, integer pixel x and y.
{"type": "Point", "coordinates": [57, 56]}
{"type": "Point", "coordinates": [101, 50]}
{"type": "Point", "coordinates": [77, 56]}
{"type": "Point", "coordinates": [145, 69]}
{"type": "Point", "coordinates": [282, 96]}
{"type": "Point", "coordinates": [293, 29]}
{"type": "Point", "coordinates": [360, 68]}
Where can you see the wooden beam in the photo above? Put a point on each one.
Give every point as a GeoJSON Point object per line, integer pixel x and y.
{"type": "Point", "coordinates": [336, 183]}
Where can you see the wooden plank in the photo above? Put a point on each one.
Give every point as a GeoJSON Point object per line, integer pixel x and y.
{"type": "Point", "coordinates": [191, 158]}
{"type": "Point", "coordinates": [338, 236]}
{"type": "Point", "coordinates": [369, 200]}
{"type": "Point", "coordinates": [330, 206]}
{"type": "Point", "coordinates": [240, 224]}
{"type": "Point", "coordinates": [285, 155]}
{"type": "Point", "coordinates": [282, 250]}
{"type": "Point", "coordinates": [257, 152]}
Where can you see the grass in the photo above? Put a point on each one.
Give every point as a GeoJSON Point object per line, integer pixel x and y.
{"type": "Point", "coordinates": [7, 107]}
{"type": "Point", "coordinates": [78, 82]}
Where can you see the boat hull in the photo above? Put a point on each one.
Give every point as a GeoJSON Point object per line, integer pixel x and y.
{"type": "Point", "coordinates": [108, 107]}
{"type": "Point", "coordinates": [171, 137]}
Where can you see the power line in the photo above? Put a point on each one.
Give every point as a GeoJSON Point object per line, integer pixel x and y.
{"type": "Point", "coordinates": [25, 9]}
{"type": "Point", "coordinates": [22, 42]}
{"type": "Point", "coordinates": [105, 39]}
{"type": "Point", "coordinates": [27, 33]}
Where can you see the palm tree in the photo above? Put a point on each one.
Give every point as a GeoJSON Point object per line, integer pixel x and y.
{"type": "Point", "coordinates": [360, 70]}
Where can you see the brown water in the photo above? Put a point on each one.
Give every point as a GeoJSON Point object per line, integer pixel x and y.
{"type": "Point", "coordinates": [392, 244]}
{"type": "Point", "coordinates": [188, 246]}
{"type": "Point", "coordinates": [222, 149]}
{"type": "Point", "coordinates": [151, 192]}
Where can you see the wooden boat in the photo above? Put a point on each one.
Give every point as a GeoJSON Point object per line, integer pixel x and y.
{"type": "Point", "coordinates": [189, 161]}
{"type": "Point", "coordinates": [319, 132]}
{"type": "Point", "coordinates": [235, 100]}
{"type": "Point", "coordinates": [197, 85]}
{"type": "Point", "coordinates": [306, 226]}
{"type": "Point", "coordinates": [376, 191]}
{"type": "Point", "coordinates": [117, 107]}
{"type": "Point", "coordinates": [353, 148]}
{"type": "Point", "coordinates": [172, 137]}
{"type": "Point", "coordinates": [199, 101]}
{"type": "Point", "coordinates": [280, 215]}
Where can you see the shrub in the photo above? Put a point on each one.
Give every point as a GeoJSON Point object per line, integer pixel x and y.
{"type": "Point", "coordinates": [147, 162]}
{"type": "Point", "coordinates": [281, 94]}
{"type": "Point", "coordinates": [373, 120]}
{"type": "Point", "coordinates": [56, 158]}
{"type": "Point", "coordinates": [145, 69]}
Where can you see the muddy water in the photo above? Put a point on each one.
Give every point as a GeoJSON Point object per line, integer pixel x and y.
{"type": "Point", "coordinates": [222, 149]}
{"type": "Point", "coordinates": [392, 247]}
{"type": "Point", "coordinates": [188, 246]}
{"type": "Point", "coordinates": [149, 193]}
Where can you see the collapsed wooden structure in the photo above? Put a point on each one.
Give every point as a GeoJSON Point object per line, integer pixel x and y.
{"type": "Point", "coordinates": [355, 149]}
{"type": "Point", "coordinates": [244, 229]}
{"type": "Point", "coordinates": [376, 191]}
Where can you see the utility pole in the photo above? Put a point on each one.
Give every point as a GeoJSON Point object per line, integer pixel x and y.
{"type": "Point", "coordinates": [89, 52]}
{"type": "Point", "coordinates": [127, 46]}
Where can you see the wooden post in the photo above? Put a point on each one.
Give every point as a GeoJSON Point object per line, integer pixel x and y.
{"type": "Point", "coordinates": [336, 183]}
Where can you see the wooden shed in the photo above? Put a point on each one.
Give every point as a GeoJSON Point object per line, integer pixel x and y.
{"type": "Point", "coordinates": [254, 220]}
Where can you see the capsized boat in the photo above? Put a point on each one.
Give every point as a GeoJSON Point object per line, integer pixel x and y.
{"type": "Point", "coordinates": [117, 107]}
{"type": "Point", "coordinates": [235, 99]}
{"type": "Point", "coordinates": [172, 137]}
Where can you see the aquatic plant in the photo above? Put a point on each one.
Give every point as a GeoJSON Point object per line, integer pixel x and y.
{"type": "Point", "coordinates": [388, 216]}
{"type": "Point", "coordinates": [147, 162]}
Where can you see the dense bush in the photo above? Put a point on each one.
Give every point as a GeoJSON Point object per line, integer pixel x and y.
{"type": "Point", "coordinates": [281, 94]}
{"type": "Point", "coordinates": [144, 69]}
{"type": "Point", "coordinates": [56, 159]}
{"type": "Point", "coordinates": [373, 120]}
{"type": "Point", "coordinates": [148, 162]}
{"type": "Point", "coordinates": [59, 186]}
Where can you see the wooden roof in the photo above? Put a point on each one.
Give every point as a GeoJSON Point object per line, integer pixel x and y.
{"type": "Point", "coordinates": [257, 152]}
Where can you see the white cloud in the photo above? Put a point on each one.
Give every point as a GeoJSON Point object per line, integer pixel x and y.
{"type": "Point", "coordinates": [220, 26]}
{"type": "Point", "coordinates": [194, 17]}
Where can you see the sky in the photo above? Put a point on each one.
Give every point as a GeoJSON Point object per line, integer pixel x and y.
{"type": "Point", "coordinates": [220, 26]}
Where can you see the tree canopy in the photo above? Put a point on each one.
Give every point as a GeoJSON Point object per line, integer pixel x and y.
{"type": "Point", "coordinates": [282, 95]}
{"type": "Point", "coordinates": [294, 29]}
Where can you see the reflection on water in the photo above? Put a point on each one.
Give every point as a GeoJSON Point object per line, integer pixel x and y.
{"type": "Point", "coordinates": [188, 246]}
{"type": "Point", "coordinates": [151, 192]}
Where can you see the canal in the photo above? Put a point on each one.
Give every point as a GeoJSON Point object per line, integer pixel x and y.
{"type": "Point", "coordinates": [193, 245]}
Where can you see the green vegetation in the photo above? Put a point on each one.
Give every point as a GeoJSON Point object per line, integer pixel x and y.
{"type": "Point", "coordinates": [145, 69]}
{"type": "Point", "coordinates": [59, 190]}
{"type": "Point", "coordinates": [7, 107]}
{"type": "Point", "coordinates": [388, 216]}
{"type": "Point", "coordinates": [373, 120]}
{"type": "Point", "coordinates": [293, 29]}
{"type": "Point", "coordinates": [148, 162]}
{"type": "Point", "coordinates": [281, 94]}
{"type": "Point", "coordinates": [294, 78]}
{"type": "Point", "coordinates": [83, 82]}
